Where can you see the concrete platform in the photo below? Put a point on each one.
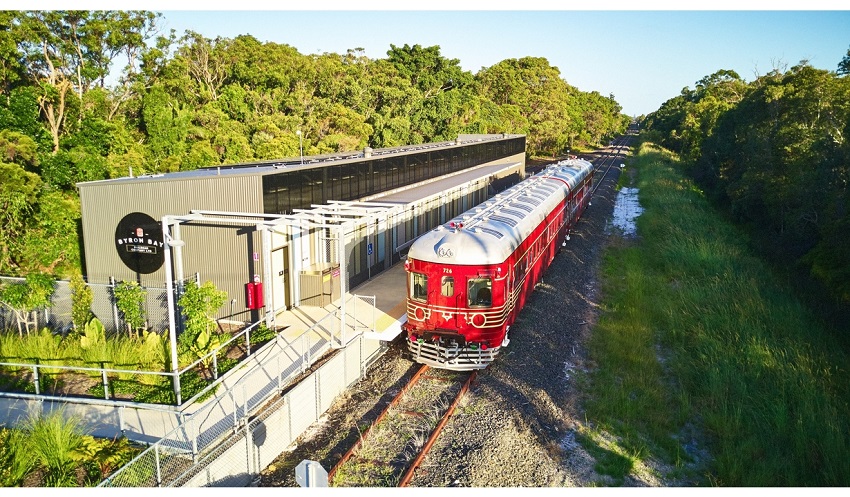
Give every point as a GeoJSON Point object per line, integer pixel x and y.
{"type": "Point", "coordinates": [383, 320]}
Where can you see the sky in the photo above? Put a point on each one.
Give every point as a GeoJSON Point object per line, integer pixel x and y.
{"type": "Point", "coordinates": [641, 57]}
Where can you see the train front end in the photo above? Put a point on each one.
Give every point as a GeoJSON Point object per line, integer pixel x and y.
{"type": "Point", "coordinates": [457, 311]}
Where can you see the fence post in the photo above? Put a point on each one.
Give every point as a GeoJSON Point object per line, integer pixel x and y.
{"type": "Point", "coordinates": [195, 434]}
{"type": "Point", "coordinates": [303, 353]}
{"type": "Point", "coordinates": [318, 395]}
{"type": "Point", "coordinates": [178, 393]}
{"type": "Point", "coordinates": [249, 450]}
{"type": "Point", "coordinates": [158, 469]}
{"type": "Point", "coordinates": [35, 378]}
{"type": "Point", "coordinates": [105, 381]}
{"type": "Point", "coordinates": [279, 374]}
{"type": "Point", "coordinates": [114, 305]}
{"type": "Point", "coordinates": [235, 411]}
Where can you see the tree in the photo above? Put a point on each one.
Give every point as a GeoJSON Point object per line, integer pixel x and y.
{"type": "Point", "coordinates": [81, 301]}
{"type": "Point", "coordinates": [12, 67]}
{"type": "Point", "coordinates": [844, 65]}
{"type": "Point", "coordinates": [540, 94]}
{"type": "Point", "coordinates": [26, 297]}
{"type": "Point", "coordinates": [18, 195]}
{"type": "Point", "coordinates": [130, 299]}
{"type": "Point", "coordinates": [444, 89]}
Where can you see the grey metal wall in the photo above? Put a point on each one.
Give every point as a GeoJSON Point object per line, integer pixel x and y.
{"type": "Point", "coordinates": [221, 254]}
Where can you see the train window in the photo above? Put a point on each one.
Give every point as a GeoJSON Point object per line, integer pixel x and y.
{"type": "Point", "coordinates": [418, 286]}
{"type": "Point", "coordinates": [479, 292]}
{"type": "Point", "coordinates": [448, 286]}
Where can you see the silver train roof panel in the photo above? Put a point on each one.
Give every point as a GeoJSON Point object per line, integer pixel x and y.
{"type": "Point", "coordinates": [489, 233]}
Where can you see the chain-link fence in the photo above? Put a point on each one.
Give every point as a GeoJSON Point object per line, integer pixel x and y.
{"type": "Point", "coordinates": [58, 315]}
{"type": "Point", "coordinates": [259, 413]}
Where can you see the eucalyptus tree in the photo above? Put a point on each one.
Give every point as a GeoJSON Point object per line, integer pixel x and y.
{"type": "Point", "coordinates": [542, 97]}
{"type": "Point", "coordinates": [445, 90]}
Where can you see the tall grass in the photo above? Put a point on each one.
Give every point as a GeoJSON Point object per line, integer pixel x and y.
{"type": "Point", "coordinates": [52, 450]}
{"type": "Point", "coordinates": [15, 464]}
{"type": "Point", "coordinates": [145, 352]}
{"type": "Point", "coordinates": [52, 442]}
{"type": "Point", "coordinates": [697, 331]}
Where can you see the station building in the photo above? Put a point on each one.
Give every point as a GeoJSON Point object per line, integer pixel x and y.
{"type": "Point", "coordinates": [278, 234]}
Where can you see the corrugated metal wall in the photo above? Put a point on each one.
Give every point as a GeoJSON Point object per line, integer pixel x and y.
{"type": "Point", "coordinates": [223, 254]}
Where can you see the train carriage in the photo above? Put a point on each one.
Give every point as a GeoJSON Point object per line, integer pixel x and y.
{"type": "Point", "coordinates": [468, 279]}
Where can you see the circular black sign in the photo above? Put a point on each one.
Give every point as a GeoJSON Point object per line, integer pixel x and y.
{"type": "Point", "coordinates": [138, 240]}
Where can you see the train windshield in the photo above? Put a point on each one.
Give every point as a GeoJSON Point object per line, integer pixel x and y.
{"type": "Point", "coordinates": [479, 292]}
{"type": "Point", "coordinates": [418, 286]}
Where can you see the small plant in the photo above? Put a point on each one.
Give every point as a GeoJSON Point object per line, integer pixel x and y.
{"type": "Point", "coordinates": [130, 299]}
{"type": "Point", "coordinates": [106, 455]}
{"type": "Point", "coordinates": [51, 441]}
{"type": "Point", "coordinates": [14, 464]}
{"type": "Point", "coordinates": [93, 343]}
{"type": "Point", "coordinates": [262, 334]}
{"type": "Point", "coordinates": [26, 297]}
{"type": "Point", "coordinates": [81, 301]}
{"type": "Point", "coordinates": [94, 335]}
{"type": "Point", "coordinates": [199, 304]}
{"type": "Point", "coordinates": [51, 450]}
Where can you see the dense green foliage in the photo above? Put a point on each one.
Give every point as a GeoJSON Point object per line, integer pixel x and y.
{"type": "Point", "coordinates": [183, 102]}
{"type": "Point", "coordinates": [705, 360]}
{"type": "Point", "coordinates": [53, 451]}
{"type": "Point", "coordinates": [130, 300]}
{"type": "Point", "coordinates": [201, 336]}
{"type": "Point", "coordinates": [776, 153]}
{"type": "Point", "coordinates": [27, 296]}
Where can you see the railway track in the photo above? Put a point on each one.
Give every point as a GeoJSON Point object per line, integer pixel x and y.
{"type": "Point", "coordinates": [608, 160]}
{"type": "Point", "coordinates": [390, 450]}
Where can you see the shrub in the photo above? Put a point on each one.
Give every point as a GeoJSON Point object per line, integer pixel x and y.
{"type": "Point", "coordinates": [130, 300]}
{"type": "Point", "coordinates": [81, 301]}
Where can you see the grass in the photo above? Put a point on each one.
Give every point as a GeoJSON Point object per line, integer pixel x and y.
{"type": "Point", "coordinates": [51, 450]}
{"type": "Point", "coordinates": [696, 331]}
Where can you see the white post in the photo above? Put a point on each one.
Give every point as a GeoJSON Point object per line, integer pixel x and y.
{"type": "Point", "coordinates": [169, 289]}
{"type": "Point", "coordinates": [267, 274]}
{"type": "Point", "coordinates": [343, 275]}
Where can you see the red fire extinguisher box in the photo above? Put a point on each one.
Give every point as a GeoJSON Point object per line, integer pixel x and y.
{"type": "Point", "coordinates": [254, 295]}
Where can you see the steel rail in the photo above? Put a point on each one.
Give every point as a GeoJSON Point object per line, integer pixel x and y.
{"type": "Point", "coordinates": [350, 452]}
{"type": "Point", "coordinates": [605, 158]}
{"type": "Point", "coordinates": [408, 475]}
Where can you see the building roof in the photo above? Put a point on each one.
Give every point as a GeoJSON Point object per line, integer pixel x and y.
{"type": "Point", "coordinates": [299, 163]}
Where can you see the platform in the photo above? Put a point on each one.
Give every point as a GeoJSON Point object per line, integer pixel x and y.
{"type": "Point", "coordinates": [384, 319]}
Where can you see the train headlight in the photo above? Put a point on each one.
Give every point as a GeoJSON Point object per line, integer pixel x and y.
{"type": "Point", "coordinates": [413, 338]}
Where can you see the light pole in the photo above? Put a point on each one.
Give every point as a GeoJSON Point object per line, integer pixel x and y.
{"type": "Point", "coordinates": [300, 145]}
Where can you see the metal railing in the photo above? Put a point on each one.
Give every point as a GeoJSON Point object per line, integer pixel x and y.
{"type": "Point", "coordinates": [105, 373]}
{"type": "Point", "coordinates": [206, 439]}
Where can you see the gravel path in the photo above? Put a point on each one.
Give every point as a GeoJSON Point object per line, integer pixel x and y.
{"type": "Point", "coordinates": [516, 426]}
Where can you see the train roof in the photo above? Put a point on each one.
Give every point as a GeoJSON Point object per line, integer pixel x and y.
{"type": "Point", "coordinates": [490, 232]}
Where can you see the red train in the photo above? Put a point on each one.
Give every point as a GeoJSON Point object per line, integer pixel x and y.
{"type": "Point", "coordinates": [468, 279]}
